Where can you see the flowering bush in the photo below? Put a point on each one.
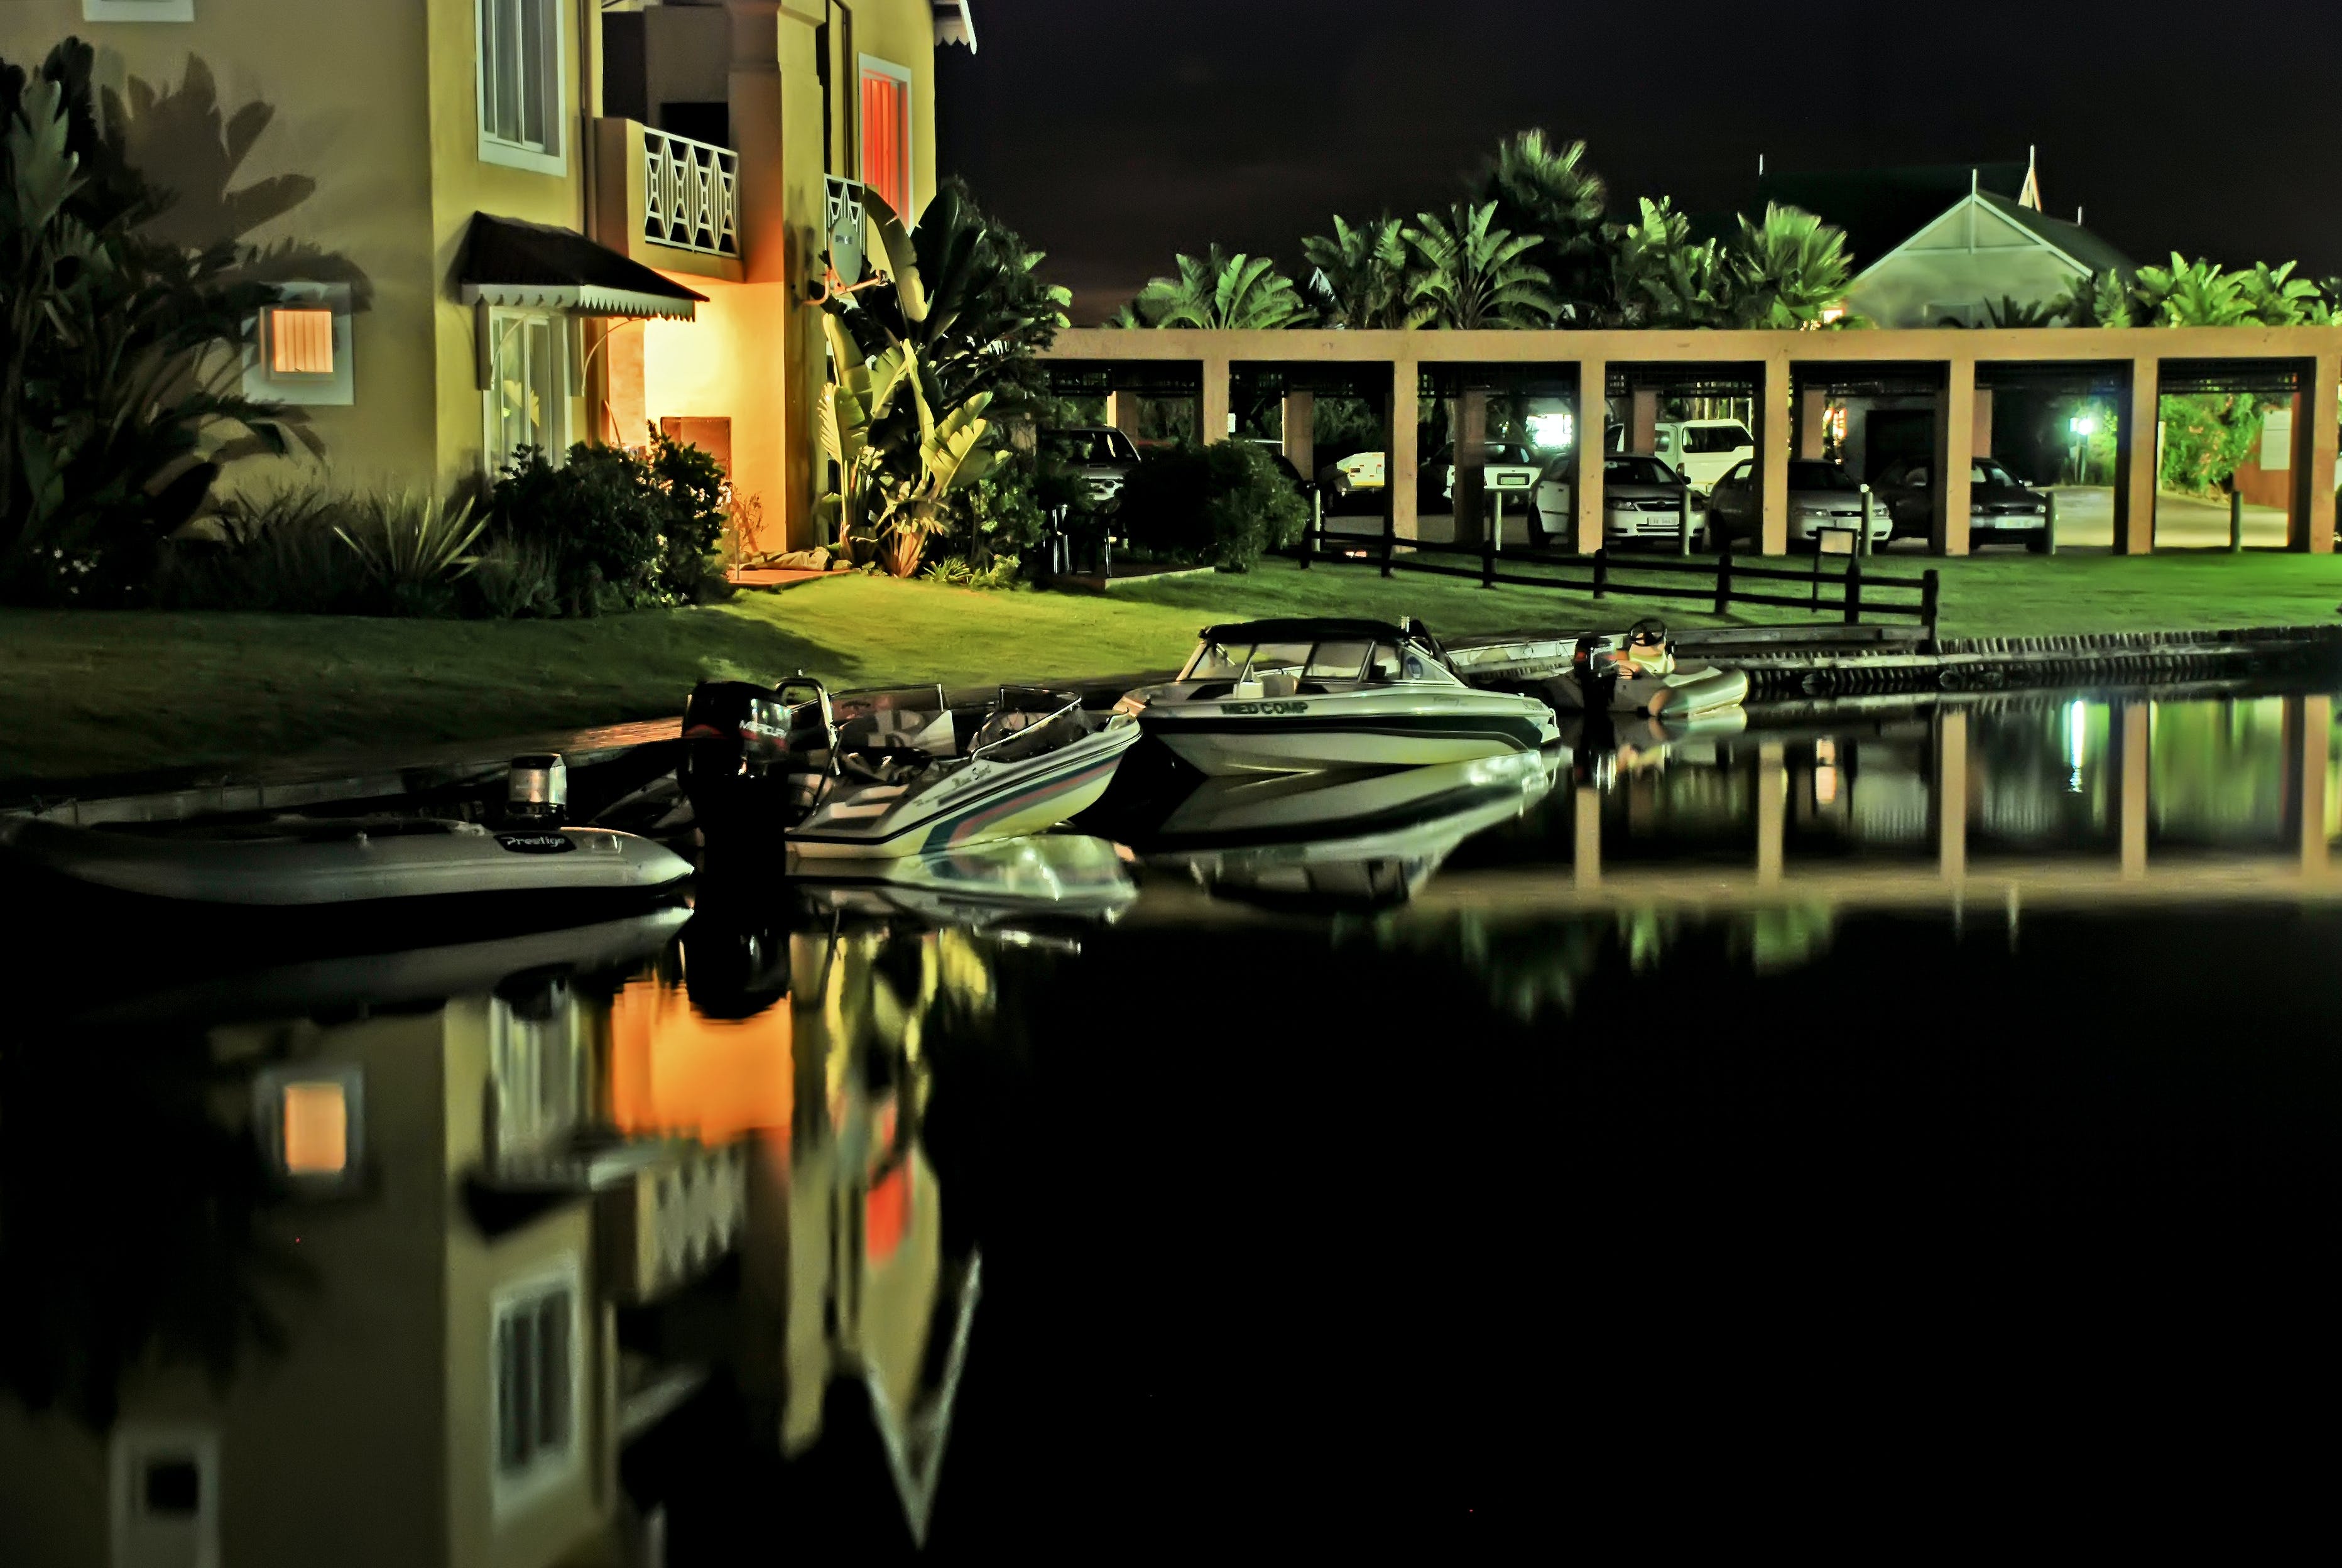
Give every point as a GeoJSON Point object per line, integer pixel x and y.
{"type": "Point", "coordinates": [619, 532]}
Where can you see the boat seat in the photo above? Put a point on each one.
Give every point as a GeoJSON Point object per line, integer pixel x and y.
{"type": "Point", "coordinates": [1279, 684]}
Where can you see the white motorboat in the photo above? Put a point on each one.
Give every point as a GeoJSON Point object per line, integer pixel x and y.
{"type": "Point", "coordinates": [290, 862]}
{"type": "Point", "coordinates": [897, 773]}
{"type": "Point", "coordinates": [1054, 874]}
{"type": "Point", "coordinates": [1310, 696]}
{"type": "Point", "coordinates": [1636, 671]}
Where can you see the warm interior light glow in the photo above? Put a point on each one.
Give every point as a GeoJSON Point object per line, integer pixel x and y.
{"type": "Point", "coordinates": [1825, 784]}
{"type": "Point", "coordinates": [675, 1071]}
{"type": "Point", "coordinates": [317, 1129]}
{"type": "Point", "coordinates": [1832, 313]}
{"type": "Point", "coordinates": [1553, 430]}
{"type": "Point", "coordinates": [300, 341]}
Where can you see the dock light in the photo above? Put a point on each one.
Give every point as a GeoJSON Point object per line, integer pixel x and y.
{"type": "Point", "coordinates": [1553, 430]}
{"type": "Point", "coordinates": [2083, 424]}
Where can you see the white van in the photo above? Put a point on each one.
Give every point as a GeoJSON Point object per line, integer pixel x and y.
{"type": "Point", "coordinates": [1703, 450]}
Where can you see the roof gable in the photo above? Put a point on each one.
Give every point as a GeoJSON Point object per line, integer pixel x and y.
{"type": "Point", "coordinates": [1879, 209]}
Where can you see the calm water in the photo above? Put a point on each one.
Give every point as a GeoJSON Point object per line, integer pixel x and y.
{"type": "Point", "coordinates": [1885, 1113]}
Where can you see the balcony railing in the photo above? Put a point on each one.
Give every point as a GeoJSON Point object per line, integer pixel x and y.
{"type": "Point", "coordinates": [691, 194]}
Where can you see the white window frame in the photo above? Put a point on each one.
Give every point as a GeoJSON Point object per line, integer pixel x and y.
{"type": "Point", "coordinates": [338, 389]}
{"type": "Point", "coordinates": [137, 10]}
{"type": "Point", "coordinates": [872, 65]}
{"type": "Point", "coordinates": [499, 322]}
{"type": "Point", "coordinates": [552, 158]}
{"type": "Point", "coordinates": [141, 1537]}
{"type": "Point", "coordinates": [515, 1490]}
{"type": "Point", "coordinates": [537, 1070]}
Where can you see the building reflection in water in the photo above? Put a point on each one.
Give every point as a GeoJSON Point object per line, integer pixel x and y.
{"type": "Point", "coordinates": [428, 1259]}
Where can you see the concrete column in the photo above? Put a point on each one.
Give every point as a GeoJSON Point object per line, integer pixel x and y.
{"type": "Point", "coordinates": [1951, 783]}
{"type": "Point", "coordinates": [1214, 403]}
{"type": "Point", "coordinates": [2309, 522]}
{"type": "Point", "coordinates": [1468, 495]}
{"type": "Point", "coordinates": [1982, 445]}
{"type": "Point", "coordinates": [2308, 728]}
{"type": "Point", "coordinates": [1772, 434]}
{"type": "Point", "coordinates": [1813, 420]}
{"type": "Point", "coordinates": [2135, 461]}
{"type": "Point", "coordinates": [1954, 431]}
{"type": "Point", "coordinates": [1593, 413]}
{"type": "Point", "coordinates": [1122, 412]}
{"type": "Point", "coordinates": [2130, 748]}
{"type": "Point", "coordinates": [1643, 419]}
{"type": "Point", "coordinates": [1585, 842]}
{"type": "Point", "coordinates": [1772, 812]}
{"type": "Point", "coordinates": [1401, 416]}
{"type": "Point", "coordinates": [1298, 428]}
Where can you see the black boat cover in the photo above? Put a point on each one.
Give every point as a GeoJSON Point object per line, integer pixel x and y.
{"type": "Point", "coordinates": [1302, 629]}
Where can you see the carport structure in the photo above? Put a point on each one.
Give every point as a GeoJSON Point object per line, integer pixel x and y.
{"type": "Point", "coordinates": [1789, 373]}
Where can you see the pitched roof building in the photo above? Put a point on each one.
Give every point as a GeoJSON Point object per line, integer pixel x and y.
{"type": "Point", "coordinates": [1947, 244]}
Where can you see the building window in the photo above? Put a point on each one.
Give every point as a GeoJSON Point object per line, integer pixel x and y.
{"type": "Point", "coordinates": [299, 349]}
{"type": "Point", "coordinates": [537, 1374]}
{"type": "Point", "coordinates": [311, 1123]}
{"type": "Point", "coordinates": [164, 1486]}
{"type": "Point", "coordinates": [886, 134]}
{"type": "Point", "coordinates": [528, 384]}
{"type": "Point", "coordinates": [520, 69]}
{"type": "Point", "coordinates": [137, 10]}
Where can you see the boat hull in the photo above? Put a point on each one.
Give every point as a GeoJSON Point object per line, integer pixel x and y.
{"type": "Point", "coordinates": [978, 805]}
{"type": "Point", "coordinates": [329, 867]}
{"type": "Point", "coordinates": [1220, 744]}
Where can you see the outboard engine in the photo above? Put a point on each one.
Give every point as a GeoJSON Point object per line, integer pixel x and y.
{"type": "Point", "coordinates": [737, 736]}
{"type": "Point", "coordinates": [537, 789]}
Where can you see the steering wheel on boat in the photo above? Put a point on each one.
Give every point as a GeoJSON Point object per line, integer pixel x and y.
{"type": "Point", "coordinates": [1650, 632]}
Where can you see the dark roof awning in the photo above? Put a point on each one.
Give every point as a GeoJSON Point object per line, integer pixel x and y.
{"type": "Point", "coordinates": [511, 263]}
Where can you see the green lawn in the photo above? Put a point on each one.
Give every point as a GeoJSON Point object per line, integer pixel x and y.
{"type": "Point", "coordinates": [84, 694]}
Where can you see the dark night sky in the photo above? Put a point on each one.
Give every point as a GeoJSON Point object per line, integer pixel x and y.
{"type": "Point", "coordinates": [1111, 132]}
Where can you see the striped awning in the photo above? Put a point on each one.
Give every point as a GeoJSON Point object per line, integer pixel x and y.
{"type": "Point", "coordinates": [507, 262]}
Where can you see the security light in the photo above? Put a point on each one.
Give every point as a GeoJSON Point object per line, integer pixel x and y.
{"type": "Point", "coordinates": [2083, 424]}
{"type": "Point", "coordinates": [1553, 430]}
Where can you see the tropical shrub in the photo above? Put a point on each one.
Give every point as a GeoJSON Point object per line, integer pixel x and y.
{"type": "Point", "coordinates": [1470, 273]}
{"type": "Point", "coordinates": [120, 331]}
{"type": "Point", "coordinates": [622, 532]}
{"type": "Point", "coordinates": [1222, 506]}
{"type": "Point", "coordinates": [1362, 274]}
{"type": "Point", "coordinates": [1006, 513]}
{"type": "Point", "coordinates": [1551, 194]}
{"type": "Point", "coordinates": [1218, 290]}
{"type": "Point", "coordinates": [281, 552]}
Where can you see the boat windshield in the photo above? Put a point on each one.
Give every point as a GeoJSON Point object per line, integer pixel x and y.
{"type": "Point", "coordinates": [1228, 661]}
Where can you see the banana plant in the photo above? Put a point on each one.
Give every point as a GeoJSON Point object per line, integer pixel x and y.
{"type": "Point", "coordinates": [898, 456]}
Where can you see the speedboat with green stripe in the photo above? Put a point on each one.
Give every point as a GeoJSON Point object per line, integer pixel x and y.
{"type": "Point", "coordinates": [1308, 695]}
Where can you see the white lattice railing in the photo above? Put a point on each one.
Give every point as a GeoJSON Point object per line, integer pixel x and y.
{"type": "Point", "coordinates": [691, 193]}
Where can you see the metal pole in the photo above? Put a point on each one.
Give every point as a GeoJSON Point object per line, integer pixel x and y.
{"type": "Point", "coordinates": [2049, 520]}
{"type": "Point", "coordinates": [1310, 535]}
{"type": "Point", "coordinates": [2236, 518]}
{"type": "Point", "coordinates": [1862, 541]}
{"type": "Point", "coordinates": [1683, 522]}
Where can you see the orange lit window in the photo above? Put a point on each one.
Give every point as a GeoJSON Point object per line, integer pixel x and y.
{"type": "Point", "coordinates": [887, 135]}
{"type": "Point", "coordinates": [300, 342]}
{"type": "Point", "coordinates": [317, 1129]}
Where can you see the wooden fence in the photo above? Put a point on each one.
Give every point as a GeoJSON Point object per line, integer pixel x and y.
{"type": "Point", "coordinates": [1854, 595]}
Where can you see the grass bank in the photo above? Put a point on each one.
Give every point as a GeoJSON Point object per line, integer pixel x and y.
{"type": "Point", "coordinates": [84, 694]}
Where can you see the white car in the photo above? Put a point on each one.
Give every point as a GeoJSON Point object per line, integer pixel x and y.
{"type": "Point", "coordinates": [1506, 465]}
{"type": "Point", "coordinates": [1642, 498]}
{"type": "Point", "coordinates": [1358, 471]}
{"type": "Point", "coordinates": [1703, 450]}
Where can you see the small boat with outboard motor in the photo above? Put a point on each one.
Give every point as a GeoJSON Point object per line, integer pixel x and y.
{"type": "Point", "coordinates": [891, 772]}
{"type": "Point", "coordinates": [296, 862]}
{"type": "Point", "coordinates": [1305, 696]}
{"type": "Point", "coordinates": [1636, 672]}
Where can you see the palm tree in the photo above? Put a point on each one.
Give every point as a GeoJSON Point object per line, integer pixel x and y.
{"type": "Point", "coordinates": [1472, 274]}
{"type": "Point", "coordinates": [1661, 278]}
{"type": "Point", "coordinates": [1361, 278]}
{"type": "Point", "coordinates": [1547, 191]}
{"type": "Point", "coordinates": [1788, 269]}
{"type": "Point", "coordinates": [1222, 291]}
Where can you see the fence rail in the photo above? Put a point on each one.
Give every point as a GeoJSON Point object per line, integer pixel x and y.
{"type": "Point", "coordinates": [1852, 595]}
{"type": "Point", "coordinates": [691, 193]}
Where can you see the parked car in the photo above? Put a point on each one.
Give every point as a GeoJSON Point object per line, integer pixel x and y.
{"type": "Point", "coordinates": [1822, 496]}
{"type": "Point", "coordinates": [1358, 471]}
{"type": "Point", "coordinates": [1506, 465]}
{"type": "Point", "coordinates": [1642, 498]}
{"type": "Point", "coordinates": [1703, 450]}
{"type": "Point", "coordinates": [1100, 455]}
{"type": "Point", "coordinates": [2001, 507]}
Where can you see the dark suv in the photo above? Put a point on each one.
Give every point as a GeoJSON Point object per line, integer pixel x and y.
{"type": "Point", "coordinates": [1100, 455]}
{"type": "Point", "coordinates": [2001, 508]}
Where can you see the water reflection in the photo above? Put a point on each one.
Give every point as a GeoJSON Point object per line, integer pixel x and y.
{"type": "Point", "coordinates": [1015, 1196]}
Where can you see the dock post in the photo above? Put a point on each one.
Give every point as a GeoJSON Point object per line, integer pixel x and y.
{"type": "Point", "coordinates": [1602, 571]}
{"type": "Point", "coordinates": [1930, 601]}
{"type": "Point", "coordinates": [1854, 591]}
{"type": "Point", "coordinates": [1724, 579]}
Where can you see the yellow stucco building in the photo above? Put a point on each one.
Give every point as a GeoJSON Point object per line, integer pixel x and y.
{"type": "Point", "coordinates": [509, 223]}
